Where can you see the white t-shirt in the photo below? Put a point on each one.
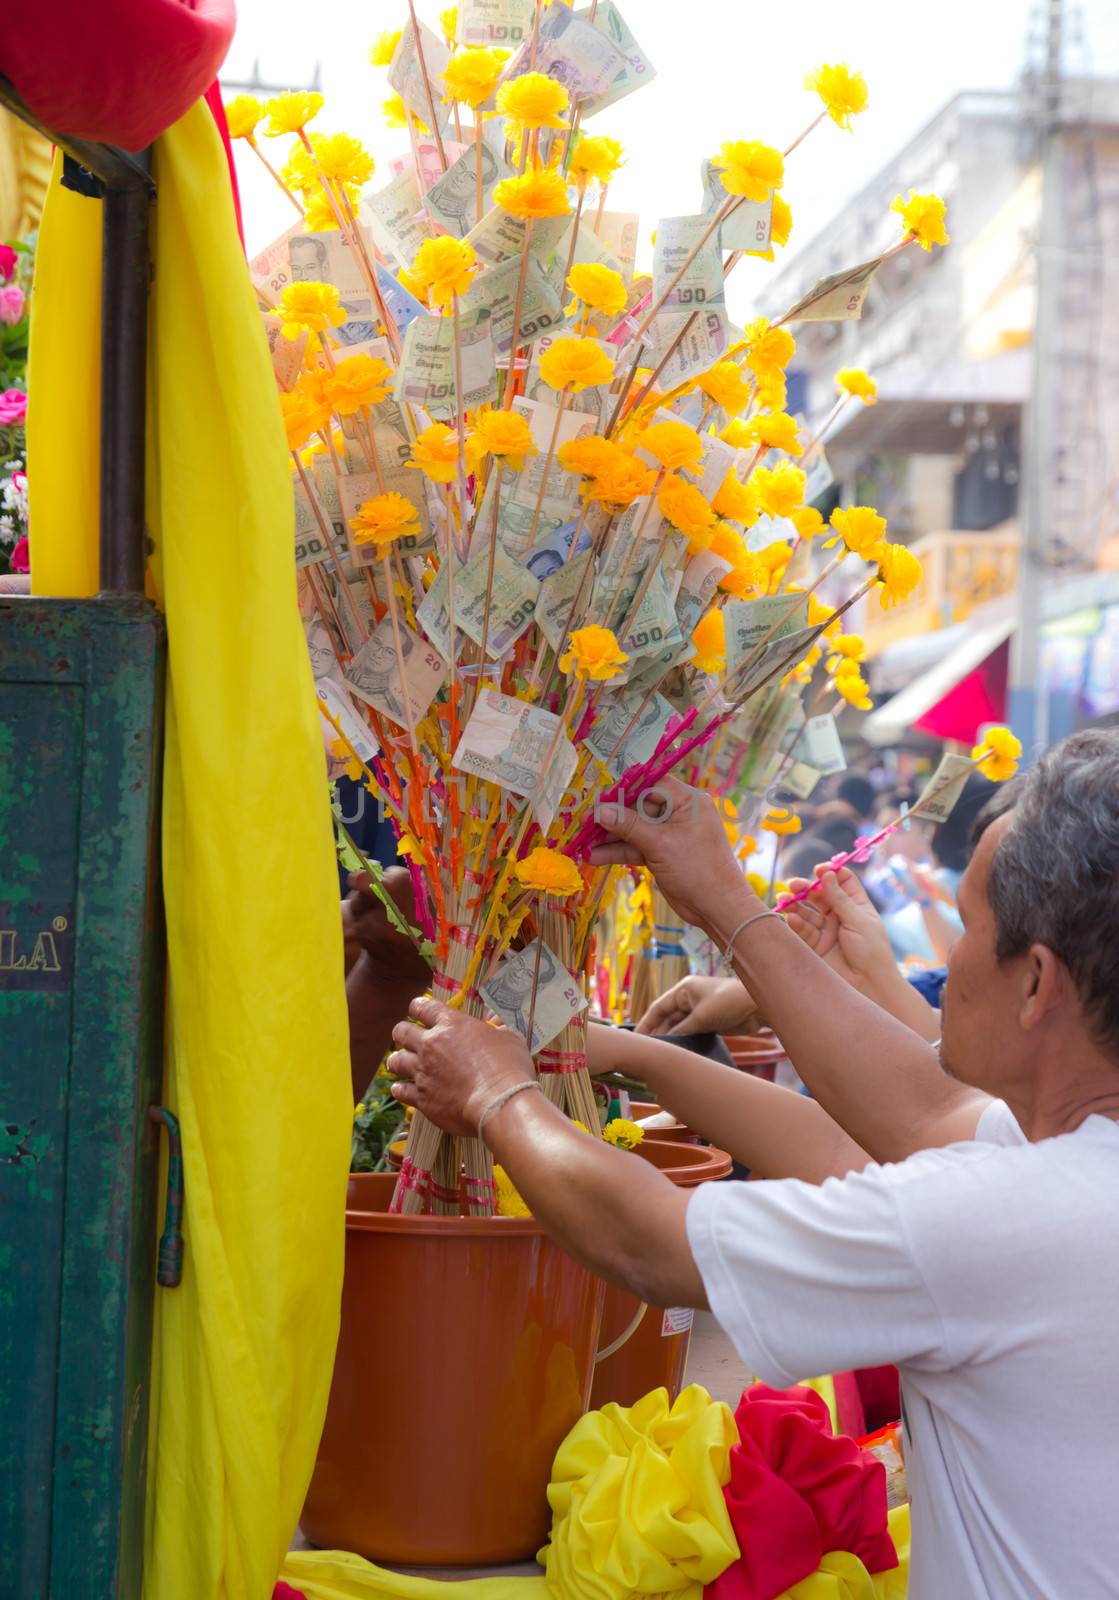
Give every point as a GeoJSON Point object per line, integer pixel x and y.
{"type": "Point", "coordinates": [989, 1272]}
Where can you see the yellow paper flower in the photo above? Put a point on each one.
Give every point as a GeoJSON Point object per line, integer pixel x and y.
{"type": "Point", "coordinates": [533, 101]}
{"type": "Point", "coordinates": [781, 821]}
{"type": "Point", "coordinates": [1001, 752]}
{"type": "Point", "coordinates": [575, 364]}
{"type": "Point", "coordinates": [673, 445]}
{"type": "Point", "coordinates": [291, 111]}
{"type": "Point", "coordinates": [686, 509]}
{"type": "Point", "coordinates": [597, 287]}
{"type": "Point", "coordinates": [776, 430]}
{"type": "Point", "coordinates": [343, 159]}
{"type": "Point", "coordinates": [853, 687]}
{"type": "Point", "coordinates": [355, 382]}
{"type": "Point", "coordinates": [302, 417]}
{"type": "Point", "coordinates": [448, 21]}
{"type": "Point", "coordinates": [808, 522]}
{"type": "Point", "coordinates": [550, 872]}
{"type": "Point", "coordinates": [747, 575]}
{"type": "Point", "coordinates": [773, 391]}
{"type": "Point", "coordinates": [318, 214]}
{"type": "Point", "coordinates": [736, 501]}
{"type": "Point", "coordinates": [861, 529]}
{"type": "Point", "coordinates": [342, 750]}
{"type": "Point", "coordinates": [383, 520]}
{"type": "Point", "coordinates": [781, 222]}
{"type": "Point", "coordinates": [502, 434]}
{"type": "Point", "coordinates": [533, 195]}
{"type": "Point", "coordinates": [768, 350]}
{"type": "Point", "coordinates": [509, 1201]}
{"type": "Point", "coordinates": [843, 92]}
{"type": "Point", "coordinates": [922, 216]}
{"type": "Point", "coordinates": [310, 306]}
{"type": "Point", "coordinates": [445, 267]}
{"type": "Point", "coordinates": [395, 113]}
{"type": "Point", "coordinates": [242, 114]}
{"type": "Point", "coordinates": [899, 572]}
{"type": "Point", "coordinates": [853, 380]}
{"type": "Point", "coordinates": [724, 384]}
{"type": "Point", "coordinates": [472, 75]}
{"type": "Point", "coordinates": [621, 484]}
{"type": "Point", "coordinates": [384, 48]}
{"type": "Point", "coordinates": [780, 489]}
{"type": "Point", "coordinates": [775, 558]}
{"type": "Point", "coordinates": [595, 159]}
{"type": "Point", "coordinates": [850, 649]}
{"type": "Point", "coordinates": [590, 456]}
{"type": "Point", "coordinates": [710, 639]}
{"type": "Point", "coordinates": [435, 453]}
{"type": "Point", "coordinates": [750, 168]}
{"type": "Point", "coordinates": [623, 1134]}
{"type": "Point", "coordinates": [736, 433]}
{"type": "Point", "coordinates": [593, 653]}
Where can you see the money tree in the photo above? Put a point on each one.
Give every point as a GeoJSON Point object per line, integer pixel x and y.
{"type": "Point", "coordinates": [554, 528]}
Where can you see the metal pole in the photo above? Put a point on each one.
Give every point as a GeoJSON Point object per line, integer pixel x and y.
{"type": "Point", "coordinates": [126, 272]}
{"type": "Point", "coordinates": [1029, 702]}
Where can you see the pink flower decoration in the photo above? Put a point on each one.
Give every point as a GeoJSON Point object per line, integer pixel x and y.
{"type": "Point", "coordinates": [20, 558]}
{"type": "Point", "coordinates": [8, 259]}
{"type": "Point", "coordinates": [11, 304]}
{"type": "Point", "coordinates": [13, 408]}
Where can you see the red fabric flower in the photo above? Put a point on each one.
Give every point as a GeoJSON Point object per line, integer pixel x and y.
{"type": "Point", "coordinates": [8, 259]}
{"type": "Point", "coordinates": [284, 1591]}
{"type": "Point", "coordinates": [796, 1492]}
{"type": "Point", "coordinates": [20, 558]}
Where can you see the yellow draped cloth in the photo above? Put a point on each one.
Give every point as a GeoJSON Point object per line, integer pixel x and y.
{"type": "Point", "coordinates": [257, 1063]}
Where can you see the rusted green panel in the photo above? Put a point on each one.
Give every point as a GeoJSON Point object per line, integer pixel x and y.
{"type": "Point", "coordinates": [81, 971]}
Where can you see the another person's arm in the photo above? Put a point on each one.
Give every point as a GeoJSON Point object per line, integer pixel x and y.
{"type": "Point", "coordinates": [384, 976]}
{"type": "Point", "coordinates": [773, 1131]}
{"type": "Point", "coordinates": [880, 1082]}
{"type": "Point", "coordinates": [699, 1004]}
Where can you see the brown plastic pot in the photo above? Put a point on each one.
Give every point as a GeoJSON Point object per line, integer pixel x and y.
{"type": "Point", "coordinates": [677, 1133]}
{"type": "Point", "coordinates": [757, 1053]}
{"type": "Point", "coordinates": [656, 1353]}
{"type": "Point", "coordinates": [464, 1358]}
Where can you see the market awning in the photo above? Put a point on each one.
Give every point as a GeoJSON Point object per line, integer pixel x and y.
{"type": "Point", "coordinates": [965, 688]}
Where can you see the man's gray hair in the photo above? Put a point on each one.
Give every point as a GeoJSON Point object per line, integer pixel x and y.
{"type": "Point", "coordinates": [1055, 873]}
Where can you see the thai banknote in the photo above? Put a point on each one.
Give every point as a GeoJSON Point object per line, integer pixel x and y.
{"type": "Point", "coordinates": [504, 23]}
{"type": "Point", "coordinates": [512, 599]}
{"type": "Point", "coordinates": [718, 459]}
{"type": "Point", "coordinates": [320, 648]}
{"type": "Point", "coordinates": [650, 669]}
{"type": "Point", "coordinates": [819, 476]}
{"type": "Point", "coordinates": [636, 69]}
{"type": "Point", "coordinates": [287, 354]}
{"type": "Point", "coordinates": [838, 298]}
{"type": "Point", "coordinates": [628, 725]}
{"type": "Point", "coordinates": [541, 471]}
{"type": "Point", "coordinates": [500, 237]}
{"type": "Point", "coordinates": [271, 269]}
{"type": "Point", "coordinates": [426, 375]}
{"type": "Point", "coordinates": [519, 747]}
{"type": "Point", "coordinates": [653, 625]}
{"type": "Point", "coordinates": [597, 402]}
{"type": "Point", "coordinates": [572, 51]}
{"type": "Point", "coordinates": [547, 555]}
{"type": "Point", "coordinates": [771, 662]}
{"type": "Point", "coordinates": [383, 680]}
{"type": "Point", "coordinates": [700, 278]}
{"type": "Point", "coordinates": [938, 798]}
{"type": "Point", "coordinates": [749, 225]}
{"type": "Point", "coordinates": [327, 257]}
{"type": "Point", "coordinates": [820, 745]}
{"type": "Point", "coordinates": [353, 728]}
{"type": "Point", "coordinates": [406, 76]}
{"type": "Point", "coordinates": [492, 297]}
{"type": "Point", "coordinates": [558, 594]}
{"type": "Point", "coordinates": [770, 530]}
{"type": "Point", "coordinates": [748, 622]}
{"type": "Point", "coordinates": [326, 493]}
{"type": "Point", "coordinates": [310, 545]}
{"type": "Point", "coordinates": [619, 232]}
{"type": "Point", "coordinates": [534, 984]}
{"type": "Point", "coordinates": [688, 342]}
{"type": "Point", "coordinates": [452, 199]}
{"type": "Point", "coordinates": [402, 306]}
{"type": "Point", "coordinates": [434, 615]}
{"type": "Point", "coordinates": [697, 589]}
{"type": "Point", "coordinates": [395, 219]}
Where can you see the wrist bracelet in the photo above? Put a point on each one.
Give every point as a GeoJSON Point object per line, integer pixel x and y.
{"type": "Point", "coordinates": [496, 1104]}
{"type": "Point", "coordinates": [728, 953]}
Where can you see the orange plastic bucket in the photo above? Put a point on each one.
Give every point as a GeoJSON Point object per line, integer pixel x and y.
{"type": "Point", "coordinates": [756, 1053]}
{"type": "Point", "coordinates": [656, 1353]}
{"type": "Point", "coordinates": [464, 1358]}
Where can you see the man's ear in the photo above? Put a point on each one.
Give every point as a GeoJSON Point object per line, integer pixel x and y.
{"type": "Point", "coordinates": [1046, 985]}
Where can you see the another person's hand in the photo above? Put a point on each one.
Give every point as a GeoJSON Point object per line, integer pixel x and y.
{"type": "Point", "coordinates": [840, 922]}
{"type": "Point", "coordinates": [700, 1005]}
{"type": "Point", "coordinates": [390, 955]}
{"type": "Point", "coordinates": [454, 1066]}
{"type": "Point", "coordinates": [679, 835]}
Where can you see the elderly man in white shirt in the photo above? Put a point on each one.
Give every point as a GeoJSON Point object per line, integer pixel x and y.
{"type": "Point", "coordinates": [954, 1212]}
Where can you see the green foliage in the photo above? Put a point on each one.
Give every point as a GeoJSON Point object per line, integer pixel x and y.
{"type": "Point", "coordinates": [376, 1125]}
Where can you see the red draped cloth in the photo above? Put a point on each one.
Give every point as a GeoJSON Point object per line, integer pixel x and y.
{"type": "Point", "coordinates": [796, 1492]}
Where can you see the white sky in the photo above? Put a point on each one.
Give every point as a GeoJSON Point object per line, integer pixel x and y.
{"type": "Point", "coordinates": [725, 69]}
